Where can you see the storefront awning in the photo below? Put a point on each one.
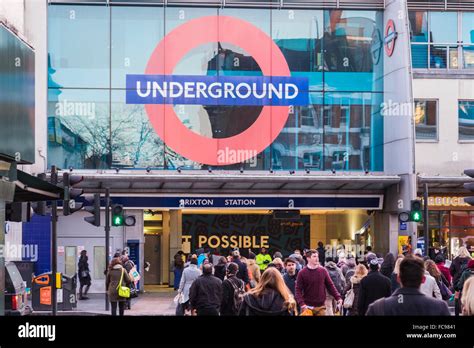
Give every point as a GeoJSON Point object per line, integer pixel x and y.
{"type": "Point", "coordinates": [232, 182]}
{"type": "Point", "coordinates": [30, 189]}
{"type": "Point", "coordinates": [444, 184]}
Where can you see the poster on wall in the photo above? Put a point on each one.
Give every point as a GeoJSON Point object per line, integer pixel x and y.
{"type": "Point", "coordinates": [222, 233]}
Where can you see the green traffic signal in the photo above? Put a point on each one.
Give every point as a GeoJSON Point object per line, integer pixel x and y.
{"type": "Point", "coordinates": [117, 215]}
{"type": "Point", "coordinates": [117, 221]}
{"type": "Point", "coordinates": [415, 216]}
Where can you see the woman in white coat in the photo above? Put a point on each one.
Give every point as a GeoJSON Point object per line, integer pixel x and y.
{"type": "Point", "coordinates": [190, 274]}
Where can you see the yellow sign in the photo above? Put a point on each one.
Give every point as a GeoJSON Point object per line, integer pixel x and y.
{"type": "Point", "coordinates": [241, 242]}
{"type": "Point", "coordinates": [402, 244]}
{"type": "Point", "coordinates": [446, 201]}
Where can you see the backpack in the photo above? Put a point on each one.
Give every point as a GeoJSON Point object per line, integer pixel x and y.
{"type": "Point", "coordinates": [336, 279]}
{"type": "Point", "coordinates": [239, 293]}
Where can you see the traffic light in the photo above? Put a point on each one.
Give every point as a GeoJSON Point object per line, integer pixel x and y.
{"type": "Point", "coordinates": [94, 209]}
{"type": "Point", "coordinates": [119, 218]}
{"type": "Point", "coordinates": [416, 214]}
{"type": "Point", "coordinates": [469, 186]}
{"type": "Point", "coordinates": [70, 193]}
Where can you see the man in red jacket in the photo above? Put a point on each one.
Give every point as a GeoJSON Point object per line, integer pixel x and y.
{"type": "Point", "coordinates": [311, 285]}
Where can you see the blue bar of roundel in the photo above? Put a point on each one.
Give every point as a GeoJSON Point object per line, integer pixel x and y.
{"type": "Point", "coordinates": [132, 96]}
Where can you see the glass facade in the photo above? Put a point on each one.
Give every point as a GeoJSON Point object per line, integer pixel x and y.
{"type": "Point", "coordinates": [442, 40]}
{"type": "Point", "coordinates": [91, 126]}
{"type": "Point", "coordinates": [466, 120]}
{"type": "Point", "coordinates": [449, 230]}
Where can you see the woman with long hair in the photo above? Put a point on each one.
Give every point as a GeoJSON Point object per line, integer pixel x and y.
{"type": "Point", "coordinates": [116, 277]}
{"type": "Point", "coordinates": [457, 266]}
{"type": "Point", "coordinates": [442, 282]}
{"type": "Point", "coordinates": [354, 284]}
{"type": "Point", "coordinates": [467, 298]}
{"type": "Point", "coordinates": [269, 298]}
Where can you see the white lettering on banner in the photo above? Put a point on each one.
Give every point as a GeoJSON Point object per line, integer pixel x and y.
{"type": "Point", "coordinates": [240, 202]}
{"type": "Point", "coordinates": [216, 90]}
{"type": "Point", "coordinates": [195, 202]}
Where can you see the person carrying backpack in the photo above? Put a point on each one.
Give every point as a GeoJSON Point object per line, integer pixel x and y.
{"type": "Point", "coordinates": [456, 269]}
{"type": "Point", "coordinates": [339, 282]}
{"type": "Point", "coordinates": [233, 290]}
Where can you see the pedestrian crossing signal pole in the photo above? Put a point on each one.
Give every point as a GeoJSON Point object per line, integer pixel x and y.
{"type": "Point", "coordinates": [54, 248]}
{"type": "Point", "coordinates": [107, 240]}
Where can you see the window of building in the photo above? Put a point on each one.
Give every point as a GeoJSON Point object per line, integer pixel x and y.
{"type": "Point", "coordinates": [442, 39]}
{"type": "Point", "coordinates": [426, 119]}
{"type": "Point", "coordinates": [99, 262]}
{"type": "Point", "coordinates": [466, 120]}
{"type": "Point", "coordinates": [70, 260]}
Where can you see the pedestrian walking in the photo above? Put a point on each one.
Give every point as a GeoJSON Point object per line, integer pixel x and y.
{"type": "Point", "coordinates": [394, 276]}
{"type": "Point", "coordinates": [408, 300]}
{"type": "Point", "coordinates": [439, 278]}
{"type": "Point", "coordinates": [116, 278]}
{"type": "Point", "coordinates": [457, 267]}
{"type": "Point", "coordinates": [233, 290]}
{"type": "Point", "coordinates": [312, 283]}
{"type": "Point", "coordinates": [467, 297]}
{"type": "Point", "coordinates": [243, 273]}
{"type": "Point", "coordinates": [339, 281]}
{"type": "Point", "coordinates": [254, 271]}
{"type": "Point", "coordinates": [291, 274]}
{"type": "Point", "coordinates": [205, 294]}
{"type": "Point", "coordinates": [270, 297]}
{"type": "Point", "coordinates": [373, 286]}
{"type": "Point", "coordinates": [84, 275]}
{"type": "Point", "coordinates": [190, 274]}
{"type": "Point", "coordinates": [388, 265]}
{"type": "Point", "coordinates": [178, 268]}
{"type": "Point", "coordinates": [220, 268]}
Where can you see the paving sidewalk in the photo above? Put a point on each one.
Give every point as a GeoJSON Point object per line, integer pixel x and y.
{"type": "Point", "coordinates": [149, 303]}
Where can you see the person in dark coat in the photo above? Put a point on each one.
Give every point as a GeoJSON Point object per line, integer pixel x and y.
{"type": "Point", "coordinates": [112, 283]}
{"type": "Point", "coordinates": [84, 275]}
{"type": "Point", "coordinates": [408, 300]}
{"type": "Point", "coordinates": [394, 276]}
{"type": "Point", "coordinates": [270, 297]}
{"type": "Point", "coordinates": [205, 295]}
{"type": "Point", "coordinates": [229, 288]}
{"type": "Point", "coordinates": [243, 272]}
{"type": "Point", "coordinates": [388, 265]}
{"type": "Point", "coordinates": [457, 267]}
{"type": "Point", "coordinates": [373, 286]}
{"type": "Point", "coordinates": [220, 268]}
{"type": "Point", "coordinates": [290, 274]}
{"type": "Point", "coordinates": [178, 268]}
{"type": "Point", "coordinates": [321, 253]}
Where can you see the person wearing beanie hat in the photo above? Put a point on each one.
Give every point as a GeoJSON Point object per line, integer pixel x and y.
{"type": "Point", "coordinates": [373, 286]}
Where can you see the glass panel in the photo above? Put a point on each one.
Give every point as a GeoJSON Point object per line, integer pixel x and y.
{"type": "Point", "coordinates": [438, 57]}
{"type": "Point", "coordinates": [298, 34]}
{"type": "Point", "coordinates": [453, 58]}
{"type": "Point", "coordinates": [78, 46]}
{"type": "Point", "coordinates": [99, 262]}
{"type": "Point", "coordinates": [353, 50]}
{"type": "Point", "coordinates": [418, 26]}
{"type": "Point", "coordinates": [434, 218]}
{"type": "Point", "coordinates": [426, 112]}
{"type": "Point", "coordinates": [466, 120]}
{"type": "Point", "coordinates": [135, 143]}
{"type": "Point", "coordinates": [460, 218]}
{"type": "Point", "coordinates": [348, 120]}
{"type": "Point", "coordinates": [129, 55]}
{"type": "Point", "coordinates": [419, 56]}
{"type": "Point", "coordinates": [468, 57]}
{"type": "Point", "coordinates": [70, 261]}
{"type": "Point", "coordinates": [462, 237]}
{"type": "Point", "coordinates": [468, 27]}
{"type": "Point", "coordinates": [443, 27]}
{"type": "Point", "coordinates": [78, 128]}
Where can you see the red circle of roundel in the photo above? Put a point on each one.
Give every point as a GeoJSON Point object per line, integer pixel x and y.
{"type": "Point", "coordinates": [199, 148]}
{"type": "Point", "coordinates": [390, 46]}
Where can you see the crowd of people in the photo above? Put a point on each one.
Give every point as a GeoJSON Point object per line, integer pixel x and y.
{"type": "Point", "coordinates": [313, 283]}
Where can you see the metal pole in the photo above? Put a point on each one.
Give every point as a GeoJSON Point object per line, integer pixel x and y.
{"type": "Point", "coordinates": [425, 217]}
{"type": "Point", "coordinates": [54, 247]}
{"type": "Point", "coordinates": [107, 239]}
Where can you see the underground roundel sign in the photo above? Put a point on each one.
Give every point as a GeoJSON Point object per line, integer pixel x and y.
{"type": "Point", "coordinates": [158, 89]}
{"type": "Point", "coordinates": [390, 37]}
